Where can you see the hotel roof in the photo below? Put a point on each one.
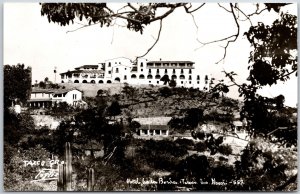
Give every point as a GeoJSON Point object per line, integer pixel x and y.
{"type": "Point", "coordinates": [52, 91]}
{"type": "Point", "coordinates": [153, 120]}
{"type": "Point", "coordinates": [170, 62]}
{"type": "Point", "coordinates": [86, 66]}
{"type": "Point", "coordinates": [95, 71]}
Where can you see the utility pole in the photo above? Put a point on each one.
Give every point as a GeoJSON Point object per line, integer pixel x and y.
{"type": "Point", "coordinates": [55, 74]}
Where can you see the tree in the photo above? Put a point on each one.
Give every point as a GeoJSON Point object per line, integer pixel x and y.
{"type": "Point", "coordinates": [42, 84]}
{"type": "Point", "coordinates": [17, 83]}
{"type": "Point", "coordinates": [172, 83]}
{"type": "Point", "coordinates": [273, 59]}
{"type": "Point", "coordinates": [165, 91]}
{"type": "Point", "coordinates": [137, 16]}
{"type": "Point", "coordinates": [114, 109]}
{"type": "Point", "coordinates": [190, 121]}
{"type": "Point", "coordinates": [165, 79]}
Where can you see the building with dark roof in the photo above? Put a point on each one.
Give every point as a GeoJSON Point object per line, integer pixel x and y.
{"type": "Point", "coordinates": [153, 127]}
{"type": "Point", "coordinates": [123, 70]}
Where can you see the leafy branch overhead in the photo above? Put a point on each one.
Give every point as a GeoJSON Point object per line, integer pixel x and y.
{"type": "Point", "coordinates": [136, 16]}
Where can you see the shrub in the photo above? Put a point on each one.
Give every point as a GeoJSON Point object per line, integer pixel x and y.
{"type": "Point", "coordinates": [187, 143]}
{"type": "Point", "coordinates": [201, 146]}
{"type": "Point", "coordinates": [225, 149]}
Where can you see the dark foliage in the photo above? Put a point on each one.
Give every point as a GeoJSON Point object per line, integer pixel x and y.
{"type": "Point", "coordinates": [17, 83]}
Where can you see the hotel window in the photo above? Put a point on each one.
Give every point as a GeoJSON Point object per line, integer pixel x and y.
{"type": "Point", "coordinates": [181, 82]}
{"type": "Point", "coordinates": [206, 79]}
{"type": "Point", "coordinates": [198, 77]}
{"type": "Point", "coordinates": [190, 71]}
{"type": "Point", "coordinates": [190, 77]}
{"type": "Point", "coordinates": [151, 132]}
{"type": "Point", "coordinates": [157, 82]}
{"type": "Point", "coordinates": [109, 72]}
{"type": "Point", "coordinates": [181, 71]}
{"type": "Point", "coordinates": [141, 69]}
{"type": "Point", "coordinates": [157, 71]}
{"type": "Point", "coordinates": [115, 62]}
{"type": "Point", "coordinates": [142, 64]}
{"type": "Point", "coordinates": [74, 96]}
{"type": "Point", "coordinates": [197, 82]}
{"type": "Point", "coordinates": [173, 71]}
{"type": "Point", "coordinates": [190, 82]}
{"type": "Point", "coordinates": [109, 64]}
{"type": "Point", "coordinates": [117, 70]}
{"type": "Point", "coordinates": [149, 70]}
{"type": "Point", "coordinates": [64, 95]}
{"type": "Point", "coordinates": [149, 82]}
{"type": "Point", "coordinates": [144, 132]}
{"type": "Point", "coordinates": [166, 71]}
{"type": "Point", "coordinates": [164, 132]}
{"type": "Point", "coordinates": [125, 77]}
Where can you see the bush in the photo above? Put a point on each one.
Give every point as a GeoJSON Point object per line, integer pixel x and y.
{"type": "Point", "coordinates": [165, 92]}
{"type": "Point", "coordinates": [201, 146]}
{"type": "Point", "coordinates": [187, 143]}
{"type": "Point", "coordinates": [225, 149]}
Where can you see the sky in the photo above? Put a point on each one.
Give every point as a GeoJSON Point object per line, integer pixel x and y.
{"type": "Point", "coordinates": [30, 39]}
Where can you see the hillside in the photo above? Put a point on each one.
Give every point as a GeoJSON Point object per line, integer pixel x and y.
{"type": "Point", "coordinates": [149, 101]}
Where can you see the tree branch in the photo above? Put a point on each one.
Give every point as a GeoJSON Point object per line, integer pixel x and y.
{"type": "Point", "coordinates": [235, 35]}
{"type": "Point", "coordinates": [166, 13]}
{"type": "Point", "coordinates": [224, 8]}
{"type": "Point", "coordinates": [188, 11]}
{"type": "Point", "coordinates": [83, 26]}
{"type": "Point", "coordinates": [285, 75]}
{"type": "Point", "coordinates": [247, 17]}
{"type": "Point", "coordinates": [158, 36]}
{"type": "Point", "coordinates": [291, 180]}
{"type": "Point", "coordinates": [256, 11]}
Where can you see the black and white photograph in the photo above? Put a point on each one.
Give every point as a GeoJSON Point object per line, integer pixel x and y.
{"type": "Point", "coordinates": [118, 96]}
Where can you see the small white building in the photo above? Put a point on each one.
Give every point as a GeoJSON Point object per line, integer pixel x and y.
{"type": "Point", "coordinates": [153, 127]}
{"type": "Point", "coordinates": [47, 97]}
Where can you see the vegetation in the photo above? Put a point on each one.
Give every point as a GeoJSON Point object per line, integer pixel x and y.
{"type": "Point", "coordinates": [261, 166]}
{"type": "Point", "coordinates": [16, 89]}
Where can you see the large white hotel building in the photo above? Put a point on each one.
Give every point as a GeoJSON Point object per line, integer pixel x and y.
{"type": "Point", "coordinates": [123, 70]}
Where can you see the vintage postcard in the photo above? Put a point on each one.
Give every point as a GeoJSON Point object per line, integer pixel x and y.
{"type": "Point", "coordinates": [150, 96]}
